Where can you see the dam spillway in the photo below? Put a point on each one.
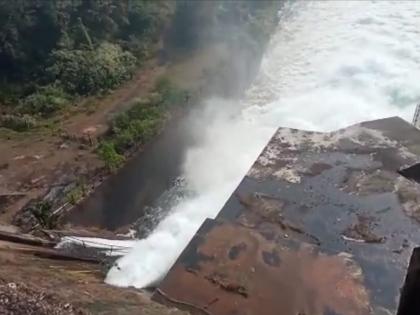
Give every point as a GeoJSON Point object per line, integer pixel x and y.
{"type": "Point", "coordinates": [323, 223]}
{"type": "Point", "coordinates": [329, 64]}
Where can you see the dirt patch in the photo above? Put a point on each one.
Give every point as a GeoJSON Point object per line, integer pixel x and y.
{"type": "Point", "coordinates": [65, 287]}
{"type": "Point", "coordinates": [96, 112]}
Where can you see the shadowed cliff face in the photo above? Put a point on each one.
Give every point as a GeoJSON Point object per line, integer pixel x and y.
{"type": "Point", "coordinates": [409, 302]}
{"type": "Point", "coordinates": [412, 172]}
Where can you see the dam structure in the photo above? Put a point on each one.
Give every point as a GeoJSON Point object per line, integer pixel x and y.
{"type": "Point", "coordinates": [322, 224]}
{"type": "Point", "coordinates": [329, 65]}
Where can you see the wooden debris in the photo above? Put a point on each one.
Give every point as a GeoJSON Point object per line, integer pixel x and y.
{"type": "Point", "coordinates": [43, 252]}
{"type": "Point", "coordinates": [25, 239]}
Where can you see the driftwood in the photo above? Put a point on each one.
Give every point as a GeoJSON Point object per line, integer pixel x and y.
{"type": "Point", "coordinates": [50, 253]}
{"type": "Point", "coordinates": [13, 240]}
{"type": "Point", "coordinates": [25, 239]}
{"type": "Point", "coordinates": [39, 247]}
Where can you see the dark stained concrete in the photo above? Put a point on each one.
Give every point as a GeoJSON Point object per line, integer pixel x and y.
{"type": "Point", "coordinates": [322, 224]}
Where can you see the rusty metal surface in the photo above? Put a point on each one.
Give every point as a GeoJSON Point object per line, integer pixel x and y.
{"type": "Point", "coordinates": [322, 224]}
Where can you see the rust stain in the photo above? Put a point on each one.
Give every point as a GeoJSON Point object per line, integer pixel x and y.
{"type": "Point", "coordinates": [280, 244]}
{"type": "Point", "coordinates": [362, 231]}
{"type": "Point", "coordinates": [268, 209]}
{"type": "Point", "coordinates": [267, 278]}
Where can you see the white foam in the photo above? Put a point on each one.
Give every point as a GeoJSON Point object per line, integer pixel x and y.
{"type": "Point", "coordinates": [108, 247]}
{"type": "Point", "coordinates": [330, 64]}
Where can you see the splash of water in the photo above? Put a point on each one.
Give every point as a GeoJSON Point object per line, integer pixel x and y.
{"type": "Point", "coordinates": [330, 64]}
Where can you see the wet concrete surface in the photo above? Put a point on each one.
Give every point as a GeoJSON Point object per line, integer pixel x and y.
{"type": "Point", "coordinates": [321, 224]}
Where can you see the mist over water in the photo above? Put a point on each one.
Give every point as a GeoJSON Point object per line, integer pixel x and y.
{"type": "Point", "coordinates": [330, 64]}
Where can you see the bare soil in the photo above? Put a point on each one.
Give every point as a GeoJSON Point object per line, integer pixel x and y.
{"type": "Point", "coordinates": [32, 163]}
{"type": "Point", "coordinates": [31, 285]}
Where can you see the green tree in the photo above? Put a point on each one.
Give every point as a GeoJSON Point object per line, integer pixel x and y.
{"type": "Point", "coordinates": [45, 101]}
{"type": "Point", "coordinates": [32, 31]}
{"type": "Point", "coordinates": [91, 71]}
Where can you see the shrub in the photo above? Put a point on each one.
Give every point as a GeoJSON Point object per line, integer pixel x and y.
{"type": "Point", "coordinates": [11, 92]}
{"type": "Point", "coordinates": [122, 121]}
{"type": "Point", "coordinates": [42, 211]}
{"type": "Point", "coordinates": [45, 101]}
{"type": "Point", "coordinates": [77, 192]}
{"type": "Point", "coordinates": [112, 159]}
{"type": "Point", "coordinates": [123, 139]}
{"type": "Point", "coordinates": [144, 111]}
{"type": "Point", "coordinates": [170, 95]}
{"type": "Point", "coordinates": [17, 122]}
{"type": "Point", "coordinates": [92, 71]}
{"type": "Point", "coordinates": [138, 131]}
{"type": "Point", "coordinates": [137, 125]}
{"type": "Point", "coordinates": [140, 123]}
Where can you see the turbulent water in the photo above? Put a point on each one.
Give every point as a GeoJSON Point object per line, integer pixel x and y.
{"type": "Point", "coordinates": [329, 64]}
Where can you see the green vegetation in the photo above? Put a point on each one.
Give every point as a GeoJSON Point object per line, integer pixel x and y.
{"type": "Point", "coordinates": [140, 123]}
{"type": "Point", "coordinates": [137, 125]}
{"type": "Point", "coordinates": [112, 159]}
{"type": "Point", "coordinates": [42, 213]}
{"type": "Point", "coordinates": [77, 192]}
{"type": "Point", "coordinates": [17, 122]}
{"type": "Point", "coordinates": [86, 72]}
{"type": "Point", "coordinates": [45, 101]}
{"type": "Point", "coordinates": [52, 51]}
{"type": "Point", "coordinates": [145, 117]}
{"type": "Point", "coordinates": [169, 95]}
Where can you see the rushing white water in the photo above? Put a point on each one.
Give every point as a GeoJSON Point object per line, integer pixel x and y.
{"type": "Point", "coordinates": [330, 64]}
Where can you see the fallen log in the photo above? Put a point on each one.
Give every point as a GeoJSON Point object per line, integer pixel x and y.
{"type": "Point", "coordinates": [49, 253]}
{"type": "Point", "coordinates": [26, 239]}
